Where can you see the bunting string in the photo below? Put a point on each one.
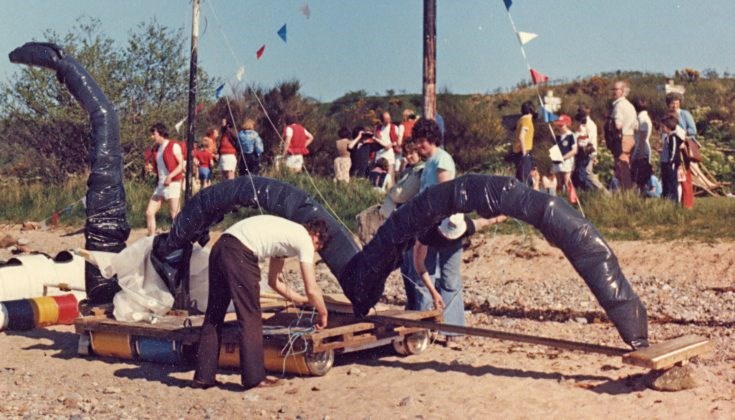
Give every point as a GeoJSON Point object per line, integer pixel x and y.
{"type": "Point", "coordinates": [538, 78]}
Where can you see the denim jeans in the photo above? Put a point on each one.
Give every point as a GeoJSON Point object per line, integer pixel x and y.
{"type": "Point", "coordinates": [443, 265]}
{"type": "Point", "coordinates": [411, 281]}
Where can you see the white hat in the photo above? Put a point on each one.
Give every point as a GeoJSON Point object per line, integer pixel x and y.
{"type": "Point", "coordinates": [453, 226]}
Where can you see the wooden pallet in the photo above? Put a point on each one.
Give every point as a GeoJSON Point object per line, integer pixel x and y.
{"type": "Point", "coordinates": [345, 332]}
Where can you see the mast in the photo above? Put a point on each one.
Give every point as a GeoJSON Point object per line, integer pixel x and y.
{"type": "Point", "coordinates": [181, 297]}
{"type": "Point", "coordinates": [191, 116]}
{"type": "Point", "coordinates": [429, 85]}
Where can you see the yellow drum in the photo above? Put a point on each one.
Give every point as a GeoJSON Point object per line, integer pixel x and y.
{"type": "Point", "coordinates": [304, 363]}
{"type": "Point", "coordinates": [45, 311]}
{"type": "Point", "coordinates": [111, 344]}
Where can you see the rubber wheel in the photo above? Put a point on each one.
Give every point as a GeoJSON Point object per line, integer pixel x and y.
{"type": "Point", "coordinates": [319, 363]}
{"type": "Point", "coordinates": [414, 343]}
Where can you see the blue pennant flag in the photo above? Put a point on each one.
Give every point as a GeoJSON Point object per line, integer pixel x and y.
{"type": "Point", "coordinates": [282, 32]}
{"type": "Point", "coordinates": [67, 210]}
{"type": "Point", "coordinates": [549, 116]}
{"type": "Point", "coordinates": [218, 91]}
{"type": "Point", "coordinates": [507, 4]}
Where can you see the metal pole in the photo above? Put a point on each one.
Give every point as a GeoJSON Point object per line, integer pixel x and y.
{"type": "Point", "coordinates": [191, 116]}
{"type": "Point", "coordinates": [500, 335]}
{"type": "Point", "coordinates": [429, 85]}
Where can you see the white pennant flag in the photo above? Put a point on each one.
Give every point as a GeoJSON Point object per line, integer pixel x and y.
{"type": "Point", "coordinates": [526, 37]}
{"type": "Point", "coordinates": [179, 124]}
{"type": "Point", "coordinates": [240, 73]}
{"type": "Point", "coordinates": [305, 10]}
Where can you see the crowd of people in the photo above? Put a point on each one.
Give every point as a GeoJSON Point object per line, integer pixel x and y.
{"type": "Point", "coordinates": [627, 133]}
{"type": "Point", "coordinates": [233, 152]}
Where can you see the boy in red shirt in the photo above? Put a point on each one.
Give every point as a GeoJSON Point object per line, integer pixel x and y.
{"type": "Point", "coordinates": [204, 159]}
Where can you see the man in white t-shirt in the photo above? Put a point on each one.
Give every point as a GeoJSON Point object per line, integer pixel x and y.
{"type": "Point", "coordinates": [234, 275]}
{"type": "Point", "coordinates": [387, 135]}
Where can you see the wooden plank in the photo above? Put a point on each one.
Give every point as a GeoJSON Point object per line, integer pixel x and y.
{"type": "Point", "coordinates": [668, 353]}
{"type": "Point", "coordinates": [501, 335]}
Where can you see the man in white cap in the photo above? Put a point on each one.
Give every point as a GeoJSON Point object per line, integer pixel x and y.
{"type": "Point", "coordinates": [445, 287]}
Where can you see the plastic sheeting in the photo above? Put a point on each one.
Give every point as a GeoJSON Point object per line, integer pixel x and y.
{"type": "Point", "coordinates": [363, 280]}
{"type": "Point", "coordinates": [210, 205]}
{"type": "Point", "coordinates": [106, 228]}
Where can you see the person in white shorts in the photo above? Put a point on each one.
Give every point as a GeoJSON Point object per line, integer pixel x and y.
{"type": "Point", "coordinates": [168, 165]}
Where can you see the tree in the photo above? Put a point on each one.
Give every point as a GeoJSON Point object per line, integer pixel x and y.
{"type": "Point", "coordinates": [46, 134]}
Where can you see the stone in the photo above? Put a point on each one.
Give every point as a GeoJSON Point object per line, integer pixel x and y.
{"type": "Point", "coordinates": [678, 378]}
{"type": "Point", "coordinates": [406, 401]}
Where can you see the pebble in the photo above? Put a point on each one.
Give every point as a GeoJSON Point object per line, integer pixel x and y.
{"type": "Point", "coordinates": [405, 402]}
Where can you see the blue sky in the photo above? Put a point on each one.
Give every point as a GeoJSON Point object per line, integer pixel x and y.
{"type": "Point", "coordinates": [349, 45]}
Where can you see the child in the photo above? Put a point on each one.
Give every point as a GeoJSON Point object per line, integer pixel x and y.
{"type": "Point", "coordinates": [343, 162]}
{"type": "Point", "coordinates": [204, 160]}
{"type": "Point", "coordinates": [379, 176]}
{"type": "Point", "coordinates": [548, 183]}
{"type": "Point", "coordinates": [535, 178]}
{"type": "Point", "coordinates": [567, 143]}
{"type": "Point", "coordinates": [670, 157]}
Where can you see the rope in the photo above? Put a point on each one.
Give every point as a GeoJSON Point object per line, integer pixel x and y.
{"type": "Point", "coordinates": [272, 124]}
{"type": "Point", "coordinates": [538, 91]}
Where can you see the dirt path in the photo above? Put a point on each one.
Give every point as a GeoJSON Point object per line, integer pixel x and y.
{"type": "Point", "coordinates": [510, 284]}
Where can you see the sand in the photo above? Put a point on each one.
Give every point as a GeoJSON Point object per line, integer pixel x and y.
{"type": "Point", "coordinates": [512, 283]}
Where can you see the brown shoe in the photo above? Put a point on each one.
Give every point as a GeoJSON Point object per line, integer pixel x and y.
{"type": "Point", "coordinates": [201, 385]}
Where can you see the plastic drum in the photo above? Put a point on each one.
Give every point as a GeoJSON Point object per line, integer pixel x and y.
{"type": "Point", "coordinates": [111, 344]}
{"type": "Point", "coordinates": [68, 308]}
{"type": "Point", "coordinates": [3, 317]}
{"type": "Point", "coordinates": [229, 355]}
{"type": "Point", "coordinates": [158, 350]}
{"type": "Point", "coordinates": [20, 315]}
{"type": "Point", "coordinates": [45, 311]}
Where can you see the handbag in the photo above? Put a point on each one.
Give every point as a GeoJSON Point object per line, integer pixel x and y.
{"type": "Point", "coordinates": [691, 150]}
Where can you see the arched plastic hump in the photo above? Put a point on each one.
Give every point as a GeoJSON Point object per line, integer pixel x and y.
{"type": "Point", "coordinates": [363, 280]}
{"type": "Point", "coordinates": [210, 205]}
{"type": "Point", "coordinates": [106, 228]}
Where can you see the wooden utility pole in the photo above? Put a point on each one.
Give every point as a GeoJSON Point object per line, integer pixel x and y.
{"type": "Point", "coordinates": [191, 116]}
{"type": "Point", "coordinates": [429, 86]}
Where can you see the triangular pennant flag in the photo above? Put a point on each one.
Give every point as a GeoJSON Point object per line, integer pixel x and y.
{"type": "Point", "coordinates": [84, 202]}
{"type": "Point", "coordinates": [218, 91]}
{"type": "Point", "coordinates": [549, 117]}
{"type": "Point", "coordinates": [260, 52]}
{"type": "Point", "coordinates": [537, 77]}
{"type": "Point", "coordinates": [282, 32]}
{"type": "Point", "coordinates": [305, 10]}
{"type": "Point", "coordinates": [526, 37]}
{"type": "Point", "coordinates": [67, 210]}
{"type": "Point", "coordinates": [179, 124]}
{"type": "Point", "coordinates": [199, 108]}
{"type": "Point", "coordinates": [240, 73]}
{"type": "Point", "coordinates": [55, 219]}
{"type": "Point", "coordinates": [507, 4]}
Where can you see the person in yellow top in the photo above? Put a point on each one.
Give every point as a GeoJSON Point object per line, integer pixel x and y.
{"type": "Point", "coordinates": [523, 142]}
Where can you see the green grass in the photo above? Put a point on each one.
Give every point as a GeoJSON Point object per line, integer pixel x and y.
{"type": "Point", "coordinates": [623, 216]}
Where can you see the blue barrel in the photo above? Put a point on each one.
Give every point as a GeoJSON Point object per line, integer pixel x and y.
{"type": "Point", "coordinates": [20, 315]}
{"type": "Point", "coordinates": [158, 350]}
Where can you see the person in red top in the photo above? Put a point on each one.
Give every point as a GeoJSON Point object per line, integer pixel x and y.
{"type": "Point", "coordinates": [227, 150]}
{"type": "Point", "coordinates": [204, 160]}
{"type": "Point", "coordinates": [167, 162]}
{"type": "Point", "coordinates": [297, 140]}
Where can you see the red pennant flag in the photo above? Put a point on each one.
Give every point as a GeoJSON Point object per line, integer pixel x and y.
{"type": "Point", "coordinates": [55, 218]}
{"type": "Point", "coordinates": [199, 108]}
{"type": "Point", "coordinates": [260, 52]}
{"type": "Point", "coordinates": [538, 77]}
{"type": "Point", "coordinates": [572, 193]}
